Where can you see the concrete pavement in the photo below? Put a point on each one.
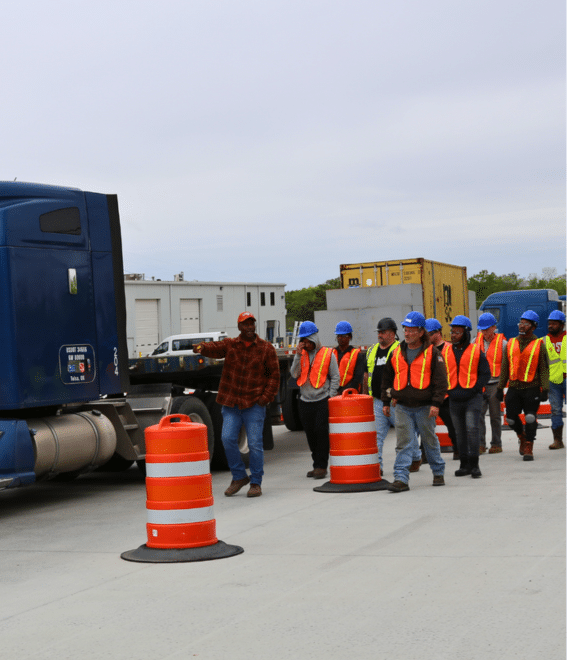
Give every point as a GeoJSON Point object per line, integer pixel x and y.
{"type": "Point", "coordinates": [471, 570]}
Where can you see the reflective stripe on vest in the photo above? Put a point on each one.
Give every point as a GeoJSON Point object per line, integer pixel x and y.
{"type": "Point", "coordinates": [468, 366]}
{"type": "Point", "coordinates": [347, 364]}
{"type": "Point", "coordinates": [371, 361]}
{"type": "Point", "coordinates": [316, 372]}
{"type": "Point", "coordinates": [555, 362]}
{"type": "Point", "coordinates": [523, 365]}
{"type": "Point", "coordinates": [419, 371]}
{"type": "Point", "coordinates": [494, 352]}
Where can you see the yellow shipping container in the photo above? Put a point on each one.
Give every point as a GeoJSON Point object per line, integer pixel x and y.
{"type": "Point", "coordinates": [445, 291]}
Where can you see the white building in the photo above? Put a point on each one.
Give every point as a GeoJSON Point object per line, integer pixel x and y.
{"type": "Point", "coordinates": [156, 309]}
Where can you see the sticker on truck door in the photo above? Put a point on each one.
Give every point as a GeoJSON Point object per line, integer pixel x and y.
{"type": "Point", "coordinates": [77, 364]}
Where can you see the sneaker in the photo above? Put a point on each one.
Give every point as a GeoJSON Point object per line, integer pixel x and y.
{"type": "Point", "coordinates": [495, 450]}
{"type": "Point", "coordinates": [398, 487]}
{"type": "Point", "coordinates": [438, 480]}
{"type": "Point", "coordinates": [319, 473]}
{"type": "Point", "coordinates": [254, 491]}
{"type": "Point", "coordinates": [415, 465]}
{"type": "Point", "coordinates": [236, 485]}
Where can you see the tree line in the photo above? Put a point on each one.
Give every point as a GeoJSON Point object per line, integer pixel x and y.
{"type": "Point", "coordinates": [302, 304]}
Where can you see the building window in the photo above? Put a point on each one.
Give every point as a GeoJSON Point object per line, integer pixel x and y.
{"type": "Point", "coordinates": [248, 299]}
{"type": "Point", "coordinates": [272, 298]}
{"type": "Point", "coordinates": [219, 303]}
{"type": "Point", "coordinates": [263, 299]}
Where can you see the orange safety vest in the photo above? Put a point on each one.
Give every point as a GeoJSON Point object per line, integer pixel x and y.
{"type": "Point", "coordinates": [419, 371]}
{"type": "Point", "coordinates": [316, 372]}
{"type": "Point", "coordinates": [523, 365]}
{"type": "Point", "coordinates": [494, 352]}
{"type": "Point", "coordinates": [468, 366]}
{"type": "Point", "coordinates": [347, 364]}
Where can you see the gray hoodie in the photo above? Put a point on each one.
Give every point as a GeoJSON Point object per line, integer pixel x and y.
{"type": "Point", "coordinates": [330, 387]}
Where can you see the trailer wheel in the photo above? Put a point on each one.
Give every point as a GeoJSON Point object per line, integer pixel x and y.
{"type": "Point", "coordinates": [290, 411]}
{"type": "Point", "coordinates": [197, 411]}
{"type": "Point", "coordinates": [219, 461]}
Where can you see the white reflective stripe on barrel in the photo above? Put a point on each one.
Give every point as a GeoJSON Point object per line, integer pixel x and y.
{"type": "Point", "coordinates": [441, 429]}
{"type": "Point", "coordinates": [352, 427]}
{"type": "Point", "coordinates": [187, 469]}
{"type": "Point", "coordinates": [180, 516]}
{"type": "Point", "coordinates": [360, 459]}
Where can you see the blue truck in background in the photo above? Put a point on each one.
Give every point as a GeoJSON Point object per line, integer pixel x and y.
{"type": "Point", "coordinates": [508, 306]}
{"type": "Point", "coordinates": [70, 400]}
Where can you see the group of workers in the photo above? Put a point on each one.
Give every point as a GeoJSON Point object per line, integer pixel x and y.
{"type": "Point", "coordinates": [412, 382]}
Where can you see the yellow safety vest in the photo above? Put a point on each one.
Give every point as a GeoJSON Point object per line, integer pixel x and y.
{"type": "Point", "coordinates": [371, 362]}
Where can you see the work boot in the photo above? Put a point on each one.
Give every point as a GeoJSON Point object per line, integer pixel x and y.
{"type": "Point", "coordinates": [464, 469]}
{"type": "Point", "coordinates": [557, 438]}
{"type": "Point", "coordinates": [236, 485]}
{"type": "Point", "coordinates": [522, 440]}
{"type": "Point", "coordinates": [482, 449]}
{"type": "Point", "coordinates": [415, 465]}
{"type": "Point", "coordinates": [438, 480]}
{"type": "Point", "coordinates": [254, 491]}
{"type": "Point", "coordinates": [319, 473]}
{"type": "Point", "coordinates": [529, 451]}
{"type": "Point", "coordinates": [473, 465]}
{"type": "Point", "coordinates": [495, 450]}
{"type": "Point", "coordinates": [398, 487]}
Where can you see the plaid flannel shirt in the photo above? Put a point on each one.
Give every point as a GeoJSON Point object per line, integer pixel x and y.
{"type": "Point", "coordinates": [250, 375]}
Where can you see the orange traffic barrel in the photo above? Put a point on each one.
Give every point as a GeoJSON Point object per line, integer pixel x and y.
{"type": "Point", "coordinates": [442, 432]}
{"type": "Point", "coordinates": [353, 450]}
{"type": "Point", "coordinates": [180, 517]}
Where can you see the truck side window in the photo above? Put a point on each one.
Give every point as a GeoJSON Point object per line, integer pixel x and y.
{"type": "Point", "coordinates": [495, 311]}
{"type": "Point", "coordinates": [62, 221]}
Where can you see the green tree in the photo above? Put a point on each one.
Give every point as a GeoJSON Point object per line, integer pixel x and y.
{"type": "Point", "coordinates": [485, 283]}
{"type": "Point", "coordinates": [302, 304]}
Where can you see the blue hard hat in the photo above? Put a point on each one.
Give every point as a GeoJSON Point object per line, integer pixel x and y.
{"type": "Point", "coordinates": [462, 320]}
{"type": "Point", "coordinates": [343, 328]}
{"type": "Point", "coordinates": [530, 315]}
{"type": "Point", "coordinates": [556, 315]}
{"type": "Point", "coordinates": [486, 321]}
{"type": "Point", "coordinates": [414, 320]}
{"type": "Point", "coordinates": [432, 324]}
{"type": "Point", "coordinates": [307, 328]}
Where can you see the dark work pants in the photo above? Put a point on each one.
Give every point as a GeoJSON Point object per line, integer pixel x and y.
{"type": "Point", "coordinates": [466, 418]}
{"type": "Point", "coordinates": [315, 419]}
{"type": "Point", "coordinates": [445, 415]}
{"type": "Point", "coordinates": [526, 401]}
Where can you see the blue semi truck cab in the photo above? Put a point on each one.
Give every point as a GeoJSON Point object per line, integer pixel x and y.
{"type": "Point", "coordinates": [70, 400]}
{"type": "Point", "coordinates": [508, 306]}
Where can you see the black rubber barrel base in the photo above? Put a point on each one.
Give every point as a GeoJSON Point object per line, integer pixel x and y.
{"type": "Point", "coordinates": [218, 550]}
{"type": "Point", "coordinates": [352, 488]}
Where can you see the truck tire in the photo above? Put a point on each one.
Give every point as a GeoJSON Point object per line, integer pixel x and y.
{"type": "Point", "coordinates": [219, 461]}
{"type": "Point", "coordinates": [197, 411]}
{"type": "Point", "coordinates": [290, 411]}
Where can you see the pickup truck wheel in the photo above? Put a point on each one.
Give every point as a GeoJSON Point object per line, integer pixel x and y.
{"type": "Point", "coordinates": [219, 461]}
{"type": "Point", "coordinates": [197, 411]}
{"type": "Point", "coordinates": [290, 411]}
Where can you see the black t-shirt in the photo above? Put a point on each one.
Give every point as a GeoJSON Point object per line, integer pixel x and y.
{"type": "Point", "coordinates": [380, 360]}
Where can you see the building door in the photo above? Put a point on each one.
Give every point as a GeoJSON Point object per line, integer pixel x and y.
{"type": "Point", "coordinates": [189, 316]}
{"type": "Point", "coordinates": [147, 326]}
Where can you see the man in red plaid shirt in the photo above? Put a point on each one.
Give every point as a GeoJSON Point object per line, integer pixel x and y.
{"type": "Point", "coordinates": [249, 382]}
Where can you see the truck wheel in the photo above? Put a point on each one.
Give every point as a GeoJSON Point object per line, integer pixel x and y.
{"type": "Point", "coordinates": [197, 411]}
{"type": "Point", "coordinates": [290, 411]}
{"type": "Point", "coordinates": [219, 461]}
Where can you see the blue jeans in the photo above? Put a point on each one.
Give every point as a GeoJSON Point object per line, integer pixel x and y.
{"type": "Point", "coordinates": [556, 398]}
{"type": "Point", "coordinates": [410, 422]}
{"type": "Point", "coordinates": [383, 425]}
{"type": "Point", "coordinates": [253, 419]}
{"type": "Point", "coordinates": [466, 420]}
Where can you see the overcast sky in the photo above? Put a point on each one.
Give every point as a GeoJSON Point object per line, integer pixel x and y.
{"type": "Point", "coordinates": [272, 141]}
